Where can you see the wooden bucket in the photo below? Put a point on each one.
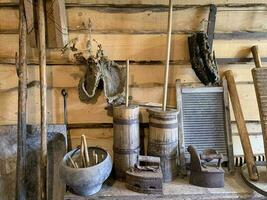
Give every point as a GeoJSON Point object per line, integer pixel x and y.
{"type": "Point", "coordinates": [126, 138]}
{"type": "Point", "coordinates": [163, 140]}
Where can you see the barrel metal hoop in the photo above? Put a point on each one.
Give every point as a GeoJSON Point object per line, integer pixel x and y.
{"type": "Point", "coordinates": [165, 126]}
{"type": "Point", "coordinates": [160, 143]}
{"type": "Point", "coordinates": [125, 121]}
{"type": "Point", "coordinates": [126, 151]}
{"type": "Point", "coordinates": [163, 118]}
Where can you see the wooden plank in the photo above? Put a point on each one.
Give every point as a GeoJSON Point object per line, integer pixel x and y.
{"type": "Point", "coordinates": [68, 76]}
{"type": "Point", "coordinates": [254, 128]}
{"type": "Point", "coordinates": [136, 20]}
{"type": "Point", "coordinates": [10, 23]}
{"type": "Point", "coordinates": [256, 143]}
{"type": "Point", "coordinates": [79, 112]}
{"type": "Point", "coordinates": [31, 23]}
{"type": "Point", "coordinates": [138, 47]}
{"type": "Point", "coordinates": [117, 46]}
{"type": "Point", "coordinates": [248, 19]}
{"type": "Point", "coordinates": [162, 2]}
{"type": "Point", "coordinates": [56, 24]}
{"type": "Point", "coordinates": [153, 20]}
{"type": "Point", "coordinates": [150, 2]}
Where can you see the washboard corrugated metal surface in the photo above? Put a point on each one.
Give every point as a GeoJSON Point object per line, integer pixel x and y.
{"type": "Point", "coordinates": [205, 121]}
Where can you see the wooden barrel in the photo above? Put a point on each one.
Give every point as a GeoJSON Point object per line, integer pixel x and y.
{"type": "Point", "coordinates": [163, 140]}
{"type": "Point", "coordinates": [126, 138]}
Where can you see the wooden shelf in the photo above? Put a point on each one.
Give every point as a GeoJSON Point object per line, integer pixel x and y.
{"type": "Point", "coordinates": [235, 188]}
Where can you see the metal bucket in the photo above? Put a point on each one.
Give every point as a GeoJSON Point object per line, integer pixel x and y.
{"type": "Point", "coordinates": [86, 181]}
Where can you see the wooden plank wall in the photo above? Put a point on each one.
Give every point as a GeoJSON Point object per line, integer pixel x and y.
{"type": "Point", "coordinates": [135, 30]}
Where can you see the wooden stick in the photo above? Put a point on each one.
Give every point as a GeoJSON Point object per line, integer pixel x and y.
{"type": "Point", "coordinates": [86, 151]}
{"type": "Point", "coordinates": [256, 56]}
{"type": "Point", "coordinates": [95, 157]}
{"type": "Point", "coordinates": [127, 83]}
{"type": "Point", "coordinates": [43, 89]}
{"type": "Point", "coordinates": [82, 153]}
{"type": "Point", "coordinates": [72, 162]}
{"type": "Point", "coordinates": [241, 125]}
{"type": "Point", "coordinates": [22, 106]}
{"type": "Point", "coordinates": [76, 165]}
{"type": "Point", "coordinates": [166, 80]}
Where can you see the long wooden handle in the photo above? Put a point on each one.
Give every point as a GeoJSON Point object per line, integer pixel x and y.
{"type": "Point", "coordinates": [43, 99]}
{"type": "Point", "coordinates": [22, 107]}
{"type": "Point", "coordinates": [166, 77]}
{"type": "Point", "coordinates": [241, 125]}
{"type": "Point", "coordinates": [127, 83]}
{"type": "Point", "coordinates": [256, 56]}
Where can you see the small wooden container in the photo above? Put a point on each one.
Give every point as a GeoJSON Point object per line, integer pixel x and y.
{"type": "Point", "coordinates": [163, 140]}
{"type": "Point", "coordinates": [126, 138]}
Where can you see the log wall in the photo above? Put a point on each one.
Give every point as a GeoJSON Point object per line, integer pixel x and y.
{"type": "Point", "coordinates": [135, 30]}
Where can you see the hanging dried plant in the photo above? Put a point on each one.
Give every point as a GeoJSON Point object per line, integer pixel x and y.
{"type": "Point", "coordinates": [101, 72]}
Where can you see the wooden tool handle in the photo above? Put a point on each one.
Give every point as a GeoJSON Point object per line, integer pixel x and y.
{"type": "Point", "coordinates": [256, 56]}
{"type": "Point", "coordinates": [241, 125]}
{"type": "Point", "coordinates": [148, 159]}
{"type": "Point", "coordinates": [127, 83]}
{"type": "Point", "coordinates": [168, 52]}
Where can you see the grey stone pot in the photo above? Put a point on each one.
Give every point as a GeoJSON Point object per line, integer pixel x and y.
{"type": "Point", "coordinates": [86, 181]}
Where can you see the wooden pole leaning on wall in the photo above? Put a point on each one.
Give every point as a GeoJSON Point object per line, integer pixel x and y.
{"type": "Point", "coordinates": [168, 51]}
{"type": "Point", "coordinates": [43, 97]}
{"type": "Point", "coordinates": [126, 135]}
{"type": "Point", "coordinates": [241, 125]}
{"type": "Point", "coordinates": [22, 106]}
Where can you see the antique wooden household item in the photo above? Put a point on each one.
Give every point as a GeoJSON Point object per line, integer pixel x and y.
{"type": "Point", "coordinates": [204, 121]}
{"type": "Point", "coordinates": [86, 180]}
{"type": "Point", "coordinates": [163, 136]}
{"type": "Point", "coordinates": [259, 75]}
{"type": "Point", "coordinates": [126, 138]}
{"type": "Point", "coordinates": [163, 140]}
{"type": "Point", "coordinates": [241, 125]}
{"type": "Point", "coordinates": [146, 178]}
{"type": "Point", "coordinates": [202, 174]}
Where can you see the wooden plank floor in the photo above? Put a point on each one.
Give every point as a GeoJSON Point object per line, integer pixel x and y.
{"type": "Point", "coordinates": [235, 188]}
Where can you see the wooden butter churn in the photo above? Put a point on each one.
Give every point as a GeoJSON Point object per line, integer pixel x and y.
{"type": "Point", "coordinates": [163, 124]}
{"type": "Point", "coordinates": [126, 139]}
